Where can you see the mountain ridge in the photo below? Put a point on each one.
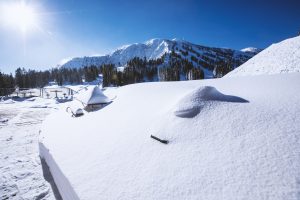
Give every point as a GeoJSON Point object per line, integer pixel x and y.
{"type": "Point", "coordinates": [156, 48]}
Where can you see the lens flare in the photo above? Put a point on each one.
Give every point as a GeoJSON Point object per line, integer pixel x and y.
{"type": "Point", "coordinates": [19, 15]}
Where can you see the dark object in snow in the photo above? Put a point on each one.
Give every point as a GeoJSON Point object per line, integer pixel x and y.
{"type": "Point", "coordinates": [3, 120]}
{"type": "Point", "coordinates": [78, 112]}
{"type": "Point", "coordinates": [160, 140]}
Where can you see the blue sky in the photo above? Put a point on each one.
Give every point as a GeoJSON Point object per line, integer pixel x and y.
{"type": "Point", "coordinates": [72, 28]}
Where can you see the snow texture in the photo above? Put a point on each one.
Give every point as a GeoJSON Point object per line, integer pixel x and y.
{"type": "Point", "coordinates": [65, 188]}
{"type": "Point", "coordinates": [21, 175]}
{"type": "Point", "coordinates": [283, 57]}
{"type": "Point", "coordinates": [232, 149]}
{"type": "Point", "coordinates": [193, 103]}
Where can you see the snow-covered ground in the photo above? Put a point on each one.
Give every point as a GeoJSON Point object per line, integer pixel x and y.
{"type": "Point", "coordinates": [21, 175]}
{"type": "Point", "coordinates": [229, 138]}
{"type": "Point", "coordinates": [283, 57]}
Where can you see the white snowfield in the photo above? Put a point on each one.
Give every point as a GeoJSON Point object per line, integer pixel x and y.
{"type": "Point", "coordinates": [283, 57]}
{"type": "Point", "coordinates": [21, 175]}
{"type": "Point", "coordinates": [233, 138]}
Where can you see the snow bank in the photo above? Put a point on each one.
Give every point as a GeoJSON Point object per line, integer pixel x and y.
{"type": "Point", "coordinates": [283, 57]}
{"type": "Point", "coordinates": [191, 104]}
{"type": "Point", "coordinates": [65, 189]}
{"type": "Point", "coordinates": [230, 150]}
{"type": "Point", "coordinates": [8, 101]}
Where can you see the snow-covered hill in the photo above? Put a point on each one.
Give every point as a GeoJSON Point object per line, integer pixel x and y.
{"type": "Point", "coordinates": [225, 142]}
{"type": "Point", "coordinates": [283, 57]}
{"type": "Point", "coordinates": [202, 56]}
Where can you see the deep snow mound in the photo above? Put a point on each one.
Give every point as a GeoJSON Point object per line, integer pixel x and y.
{"type": "Point", "coordinates": [283, 57]}
{"type": "Point", "coordinates": [191, 104]}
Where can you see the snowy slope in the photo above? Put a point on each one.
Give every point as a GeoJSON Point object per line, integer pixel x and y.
{"type": "Point", "coordinates": [156, 48]}
{"type": "Point", "coordinates": [225, 142]}
{"type": "Point", "coordinates": [152, 49]}
{"type": "Point", "coordinates": [283, 57]}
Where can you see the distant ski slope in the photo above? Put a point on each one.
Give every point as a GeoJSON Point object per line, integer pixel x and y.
{"type": "Point", "coordinates": [204, 57]}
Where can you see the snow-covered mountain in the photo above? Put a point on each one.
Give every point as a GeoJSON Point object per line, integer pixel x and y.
{"type": "Point", "coordinates": [283, 57]}
{"type": "Point", "coordinates": [152, 49]}
{"type": "Point", "coordinates": [251, 49]}
{"type": "Point", "coordinates": [201, 56]}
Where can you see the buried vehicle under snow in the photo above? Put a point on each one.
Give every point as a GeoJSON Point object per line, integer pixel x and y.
{"type": "Point", "coordinates": [92, 98]}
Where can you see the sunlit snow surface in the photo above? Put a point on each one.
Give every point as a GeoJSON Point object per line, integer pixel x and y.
{"type": "Point", "coordinates": [282, 57]}
{"type": "Point", "coordinates": [229, 150]}
{"type": "Point", "coordinates": [21, 175]}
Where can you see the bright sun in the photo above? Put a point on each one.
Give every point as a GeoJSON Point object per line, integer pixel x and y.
{"type": "Point", "coordinates": [19, 15]}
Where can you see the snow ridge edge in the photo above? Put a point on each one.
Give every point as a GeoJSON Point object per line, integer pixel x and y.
{"type": "Point", "coordinates": [65, 188]}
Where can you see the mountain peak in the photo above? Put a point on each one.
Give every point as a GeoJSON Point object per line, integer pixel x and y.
{"type": "Point", "coordinates": [153, 49]}
{"type": "Point", "coordinates": [178, 40]}
{"type": "Point", "coordinates": [154, 41]}
{"type": "Point", "coordinates": [251, 49]}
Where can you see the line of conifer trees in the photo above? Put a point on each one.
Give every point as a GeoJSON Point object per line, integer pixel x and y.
{"type": "Point", "coordinates": [7, 82]}
{"type": "Point", "coordinates": [170, 67]}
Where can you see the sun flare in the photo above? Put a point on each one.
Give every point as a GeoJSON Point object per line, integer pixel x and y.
{"type": "Point", "coordinates": [20, 16]}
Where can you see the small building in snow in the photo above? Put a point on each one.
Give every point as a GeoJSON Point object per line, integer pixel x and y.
{"type": "Point", "coordinates": [92, 98]}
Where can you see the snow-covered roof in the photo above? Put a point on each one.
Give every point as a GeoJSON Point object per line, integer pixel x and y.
{"type": "Point", "coordinates": [92, 95]}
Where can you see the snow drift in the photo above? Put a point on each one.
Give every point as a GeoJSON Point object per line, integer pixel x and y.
{"type": "Point", "coordinates": [283, 57]}
{"type": "Point", "coordinates": [191, 104]}
{"type": "Point", "coordinates": [62, 183]}
{"type": "Point", "coordinates": [229, 150]}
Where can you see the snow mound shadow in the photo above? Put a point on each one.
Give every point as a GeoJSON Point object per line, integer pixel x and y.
{"type": "Point", "coordinates": [191, 104]}
{"type": "Point", "coordinates": [49, 178]}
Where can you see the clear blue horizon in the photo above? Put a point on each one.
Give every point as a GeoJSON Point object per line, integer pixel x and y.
{"type": "Point", "coordinates": [71, 28]}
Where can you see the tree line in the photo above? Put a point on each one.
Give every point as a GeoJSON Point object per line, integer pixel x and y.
{"type": "Point", "coordinates": [7, 83]}
{"type": "Point", "coordinates": [170, 67]}
{"type": "Point", "coordinates": [141, 70]}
